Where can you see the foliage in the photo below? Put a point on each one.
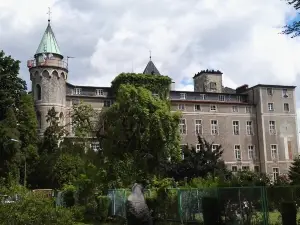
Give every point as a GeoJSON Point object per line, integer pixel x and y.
{"type": "Point", "coordinates": [294, 172]}
{"type": "Point", "coordinates": [103, 203]}
{"type": "Point", "coordinates": [34, 209]}
{"type": "Point", "coordinates": [249, 178]}
{"type": "Point", "coordinates": [11, 86]}
{"type": "Point", "coordinates": [129, 126]}
{"type": "Point", "coordinates": [289, 213]}
{"type": "Point", "coordinates": [211, 211]}
{"type": "Point", "coordinates": [154, 83]}
{"type": "Point", "coordinates": [208, 182]}
{"type": "Point", "coordinates": [294, 27]}
{"type": "Point", "coordinates": [200, 163]}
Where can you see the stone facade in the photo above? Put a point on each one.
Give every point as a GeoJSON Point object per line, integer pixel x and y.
{"type": "Point", "coordinates": [256, 126]}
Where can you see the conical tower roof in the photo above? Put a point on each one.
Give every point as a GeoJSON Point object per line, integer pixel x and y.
{"type": "Point", "coordinates": [48, 43]}
{"type": "Point", "coordinates": [151, 69]}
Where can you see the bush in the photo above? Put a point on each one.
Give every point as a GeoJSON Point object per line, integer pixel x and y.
{"type": "Point", "coordinates": [69, 195]}
{"type": "Point", "coordinates": [34, 209]}
{"type": "Point", "coordinates": [289, 213]}
{"type": "Point", "coordinates": [103, 203]}
{"type": "Point", "coordinates": [211, 211]}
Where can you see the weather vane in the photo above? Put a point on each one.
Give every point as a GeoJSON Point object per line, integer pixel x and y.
{"type": "Point", "coordinates": [150, 54]}
{"type": "Point", "coordinates": [49, 14]}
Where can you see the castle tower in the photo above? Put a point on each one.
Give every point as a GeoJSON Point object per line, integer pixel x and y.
{"type": "Point", "coordinates": [208, 81]}
{"type": "Point", "coordinates": [48, 75]}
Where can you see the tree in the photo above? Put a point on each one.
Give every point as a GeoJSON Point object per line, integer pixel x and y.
{"type": "Point", "coordinates": [200, 163]}
{"type": "Point", "coordinates": [294, 172]}
{"type": "Point", "coordinates": [11, 86]}
{"type": "Point", "coordinates": [139, 129]}
{"type": "Point", "coordinates": [294, 27]}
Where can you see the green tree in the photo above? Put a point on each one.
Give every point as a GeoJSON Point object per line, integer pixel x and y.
{"type": "Point", "coordinates": [139, 129]}
{"type": "Point", "coordinates": [293, 28]}
{"type": "Point", "coordinates": [11, 86]}
{"type": "Point", "coordinates": [294, 171]}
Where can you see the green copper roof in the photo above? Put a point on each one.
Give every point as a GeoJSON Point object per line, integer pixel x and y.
{"type": "Point", "coordinates": [48, 43]}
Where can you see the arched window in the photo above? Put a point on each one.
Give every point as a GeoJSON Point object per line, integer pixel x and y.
{"type": "Point", "coordinates": [38, 92]}
{"type": "Point", "coordinates": [61, 118]}
{"type": "Point", "coordinates": [39, 119]}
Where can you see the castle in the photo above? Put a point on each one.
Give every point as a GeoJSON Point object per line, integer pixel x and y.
{"type": "Point", "coordinates": [257, 126]}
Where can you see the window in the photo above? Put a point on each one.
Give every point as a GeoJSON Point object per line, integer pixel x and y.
{"type": "Point", "coordinates": [245, 168]}
{"type": "Point", "coordinates": [236, 127]}
{"type": "Point", "coordinates": [248, 109]}
{"type": "Point", "coordinates": [197, 108]}
{"type": "Point", "coordinates": [286, 107]}
{"type": "Point", "coordinates": [249, 128]}
{"type": "Point", "coordinates": [271, 106]}
{"type": "Point", "coordinates": [214, 127]}
{"type": "Point", "coordinates": [198, 146]}
{"type": "Point", "coordinates": [181, 107]}
{"type": "Point", "coordinates": [238, 98]}
{"type": "Point", "coordinates": [234, 169]}
{"type": "Point", "coordinates": [237, 152]}
{"type": "Point", "coordinates": [107, 103]}
{"type": "Point", "coordinates": [285, 93]}
{"type": "Point", "coordinates": [275, 173]}
{"type": "Point", "coordinates": [182, 95]}
{"type": "Point", "coordinates": [274, 153]}
{"type": "Point", "coordinates": [235, 108]}
{"type": "Point", "coordinates": [39, 119]}
{"type": "Point", "coordinates": [203, 96]}
{"type": "Point", "coordinates": [222, 98]}
{"type": "Point", "coordinates": [182, 126]}
{"type": "Point", "coordinates": [256, 169]}
{"type": "Point", "coordinates": [214, 147]}
{"type": "Point", "coordinates": [182, 147]}
{"type": "Point", "coordinates": [272, 127]}
{"type": "Point", "coordinates": [99, 92]}
{"type": "Point", "coordinates": [270, 91]}
{"type": "Point", "coordinates": [251, 152]}
{"type": "Point", "coordinates": [213, 108]}
{"type": "Point", "coordinates": [77, 91]}
{"type": "Point", "coordinates": [198, 126]}
{"type": "Point", "coordinates": [38, 92]}
{"type": "Point", "coordinates": [95, 146]}
{"type": "Point", "coordinates": [213, 85]}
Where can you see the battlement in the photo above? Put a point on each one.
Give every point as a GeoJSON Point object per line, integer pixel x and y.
{"type": "Point", "coordinates": [57, 63]}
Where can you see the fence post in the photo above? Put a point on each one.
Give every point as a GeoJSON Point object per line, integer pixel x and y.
{"type": "Point", "coordinates": [265, 205]}
{"type": "Point", "coordinates": [114, 200]}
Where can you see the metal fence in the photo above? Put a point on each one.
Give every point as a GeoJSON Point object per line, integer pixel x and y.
{"type": "Point", "coordinates": [238, 205]}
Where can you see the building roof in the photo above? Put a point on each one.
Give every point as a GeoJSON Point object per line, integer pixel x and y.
{"type": "Point", "coordinates": [151, 69]}
{"type": "Point", "coordinates": [48, 43]}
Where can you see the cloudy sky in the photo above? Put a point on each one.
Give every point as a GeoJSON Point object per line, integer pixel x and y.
{"type": "Point", "coordinates": [239, 37]}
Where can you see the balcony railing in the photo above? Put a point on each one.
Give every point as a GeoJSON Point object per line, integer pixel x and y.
{"type": "Point", "coordinates": [48, 62]}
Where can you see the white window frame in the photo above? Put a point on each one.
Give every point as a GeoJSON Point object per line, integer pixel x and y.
{"type": "Point", "coordinates": [198, 147]}
{"type": "Point", "coordinates": [234, 166]}
{"type": "Point", "coordinates": [235, 108]}
{"type": "Point", "coordinates": [275, 173]}
{"type": "Point", "coordinates": [239, 98]}
{"type": "Point", "coordinates": [105, 103]}
{"type": "Point", "coordinates": [285, 93]}
{"type": "Point", "coordinates": [249, 127]}
{"type": "Point", "coordinates": [214, 147]}
{"type": "Point", "coordinates": [248, 109]}
{"type": "Point", "coordinates": [213, 85]}
{"type": "Point", "coordinates": [95, 146]}
{"type": "Point", "coordinates": [196, 110]}
{"type": "Point", "coordinates": [99, 92]}
{"type": "Point", "coordinates": [272, 127]}
{"type": "Point", "coordinates": [236, 127]}
{"type": "Point", "coordinates": [245, 168]}
{"type": "Point", "coordinates": [77, 91]}
{"type": "Point", "coordinates": [214, 127]}
{"type": "Point", "coordinates": [288, 107]}
{"type": "Point", "coordinates": [251, 152]}
{"type": "Point", "coordinates": [203, 96]}
{"type": "Point", "coordinates": [198, 127]}
{"type": "Point", "coordinates": [181, 147]}
{"type": "Point", "coordinates": [182, 95]}
{"type": "Point", "coordinates": [182, 126]}
{"type": "Point", "coordinates": [270, 91]}
{"type": "Point", "coordinates": [222, 98]}
{"type": "Point", "coordinates": [181, 107]}
{"type": "Point", "coordinates": [274, 151]}
{"type": "Point", "coordinates": [271, 106]}
{"type": "Point", "coordinates": [215, 108]}
{"type": "Point", "coordinates": [237, 152]}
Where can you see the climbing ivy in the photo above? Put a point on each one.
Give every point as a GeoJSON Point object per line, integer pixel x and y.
{"type": "Point", "coordinates": [155, 83]}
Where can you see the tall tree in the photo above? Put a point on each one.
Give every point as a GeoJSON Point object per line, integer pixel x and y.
{"type": "Point", "coordinates": [294, 171]}
{"type": "Point", "coordinates": [11, 86]}
{"type": "Point", "coordinates": [293, 28]}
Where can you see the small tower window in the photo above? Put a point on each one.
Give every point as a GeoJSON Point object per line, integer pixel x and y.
{"type": "Point", "coordinates": [39, 119]}
{"type": "Point", "coordinates": [38, 92]}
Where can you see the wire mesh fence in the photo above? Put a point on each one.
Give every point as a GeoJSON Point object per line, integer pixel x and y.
{"type": "Point", "coordinates": [238, 205]}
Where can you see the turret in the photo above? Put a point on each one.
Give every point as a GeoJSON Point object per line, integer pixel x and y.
{"type": "Point", "coordinates": [48, 73]}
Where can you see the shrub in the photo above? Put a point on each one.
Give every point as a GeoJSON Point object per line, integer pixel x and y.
{"type": "Point", "coordinates": [289, 213]}
{"type": "Point", "coordinates": [69, 195]}
{"type": "Point", "coordinates": [103, 203]}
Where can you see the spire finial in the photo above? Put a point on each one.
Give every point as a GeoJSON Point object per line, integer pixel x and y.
{"type": "Point", "coordinates": [150, 55]}
{"type": "Point", "coordinates": [49, 14]}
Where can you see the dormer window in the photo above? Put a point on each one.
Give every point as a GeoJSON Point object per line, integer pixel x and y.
{"type": "Point", "coordinates": [99, 92]}
{"type": "Point", "coordinates": [182, 95]}
{"type": "Point", "coordinates": [270, 91]}
{"type": "Point", "coordinates": [77, 91]}
{"type": "Point", "coordinates": [285, 93]}
{"type": "Point", "coordinates": [213, 85]}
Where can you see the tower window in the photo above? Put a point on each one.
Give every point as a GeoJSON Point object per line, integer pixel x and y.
{"type": "Point", "coordinates": [213, 85]}
{"type": "Point", "coordinates": [38, 92]}
{"type": "Point", "coordinates": [39, 119]}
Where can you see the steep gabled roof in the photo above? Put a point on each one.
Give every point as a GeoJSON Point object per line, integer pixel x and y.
{"type": "Point", "coordinates": [151, 69]}
{"type": "Point", "coordinates": [48, 43]}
